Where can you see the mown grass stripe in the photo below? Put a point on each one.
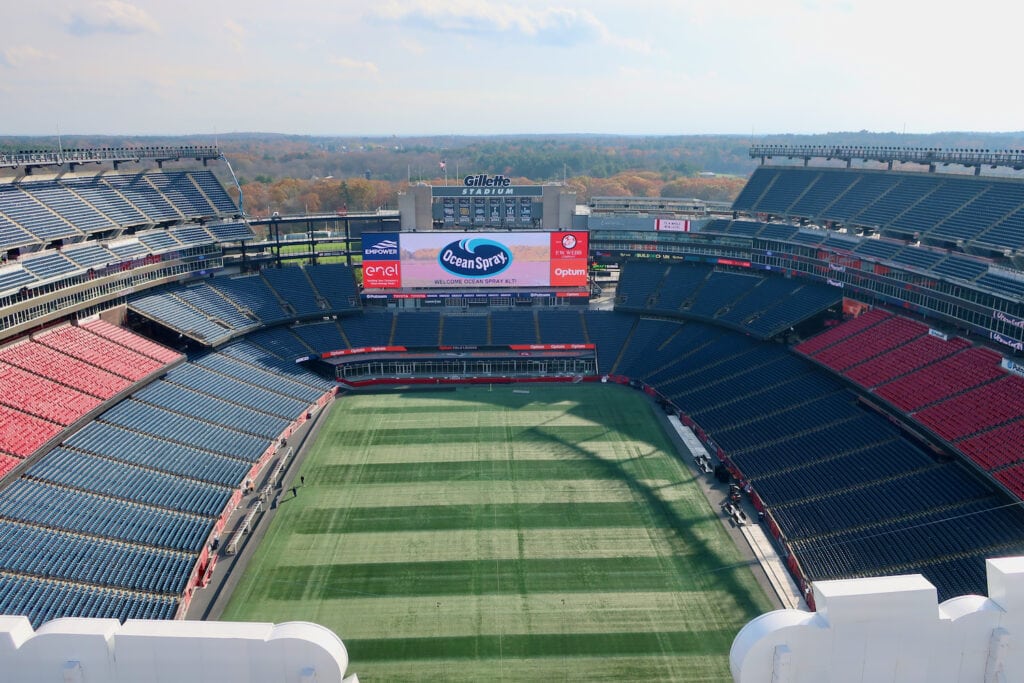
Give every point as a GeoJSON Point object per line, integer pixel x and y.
{"type": "Point", "coordinates": [492, 470]}
{"type": "Point", "coordinates": [541, 645]}
{"type": "Point", "coordinates": [481, 577]}
{"type": "Point", "coordinates": [485, 516]}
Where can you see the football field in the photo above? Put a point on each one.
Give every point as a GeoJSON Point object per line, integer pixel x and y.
{"type": "Point", "coordinates": [486, 534]}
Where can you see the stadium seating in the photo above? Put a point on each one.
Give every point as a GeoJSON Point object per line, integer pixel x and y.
{"type": "Point", "coordinates": [953, 374]}
{"type": "Point", "coordinates": [879, 339]}
{"type": "Point", "coordinates": [336, 283]}
{"type": "Point", "coordinates": [22, 434]}
{"type": "Point", "coordinates": [59, 367]}
{"type": "Point", "coordinates": [937, 209]}
{"type": "Point", "coordinates": [464, 330]}
{"type": "Point", "coordinates": [422, 328]}
{"type": "Point", "coordinates": [294, 288]}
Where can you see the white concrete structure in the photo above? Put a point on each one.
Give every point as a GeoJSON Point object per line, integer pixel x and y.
{"type": "Point", "coordinates": [891, 629]}
{"type": "Point", "coordinates": [76, 650]}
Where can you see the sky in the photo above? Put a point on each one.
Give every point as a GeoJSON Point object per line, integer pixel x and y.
{"type": "Point", "coordinates": [471, 67]}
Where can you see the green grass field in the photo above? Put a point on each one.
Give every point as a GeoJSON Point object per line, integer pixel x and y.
{"type": "Point", "coordinates": [482, 534]}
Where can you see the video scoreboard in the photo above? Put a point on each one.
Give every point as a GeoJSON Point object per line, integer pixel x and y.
{"type": "Point", "coordinates": [460, 260]}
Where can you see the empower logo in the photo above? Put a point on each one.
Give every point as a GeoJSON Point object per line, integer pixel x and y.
{"type": "Point", "coordinates": [383, 248]}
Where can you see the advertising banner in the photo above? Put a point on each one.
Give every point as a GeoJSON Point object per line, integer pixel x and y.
{"type": "Point", "coordinates": [382, 267]}
{"type": "Point", "coordinates": [425, 260]}
{"type": "Point", "coordinates": [464, 217]}
{"type": "Point", "coordinates": [449, 211]}
{"type": "Point", "coordinates": [671, 225]}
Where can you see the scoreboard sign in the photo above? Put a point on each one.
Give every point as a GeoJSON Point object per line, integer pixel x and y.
{"type": "Point", "coordinates": [428, 260]}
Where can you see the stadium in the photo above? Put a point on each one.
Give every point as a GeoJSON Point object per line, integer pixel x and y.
{"type": "Point", "coordinates": [439, 441]}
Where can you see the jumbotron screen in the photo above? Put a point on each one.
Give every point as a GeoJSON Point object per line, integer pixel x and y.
{"type": "Point", "coordinates": [425, 260]}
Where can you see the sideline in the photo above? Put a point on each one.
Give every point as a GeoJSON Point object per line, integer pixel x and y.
{"type": "Point", "coordinates": [756, 546]}
{"type": "Point", "coordinates": [208, 603]}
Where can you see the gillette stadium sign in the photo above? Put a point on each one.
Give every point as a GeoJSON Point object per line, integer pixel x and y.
{"type": "Point", "coordinates": [483, 185]}
{"type": "Point", "coordinates": [440, 260]}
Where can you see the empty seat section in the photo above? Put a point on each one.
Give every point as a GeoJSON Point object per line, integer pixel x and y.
{"type": "Point", "coordinates": [33, 550]}
{"type": "Point", "coordinates": [885, 336]}
{"type": "Point", "coordinates": [638, 281]}
{"type": "Point", "coordinates": [337, 284]}
{"type": "Point", "coordinates": [681, 283]}
{"type": "Point", "coordinates": [254, 355]}
{"type": "Point", "coordinates": [34, 394]}
{"type": "Point", "coordinates": [464, 330]}
{"type": "Point", "coordinates": [177, 188]}
{"type": "Point", "coordinates": [825, 339]}
{"type": "Point", "coordinates": [513, 327]}
{"type": "Point", "coordinates": [321, 337]}
{"type": "Point", "coordinates": [934, 382]}
{"type": "Point", "coordinates": [228, 388]}
{"type": "Point", "coordinates": [98, 194]}
{"type": "Point", "coordinates": [83, 344]}
{"type": "Point", "coordinates": [266, 379]}
{"type": "Point", "coordinates": [45, 225]}
{"type": "Point", "coordinates": [143, 196]}
{"type": "Point", "coordinates": [372, 328]}
{"type": "Point", "coordinates": [171, 311]}
{"type": "Point", "coordinates": [68, 205]}
{"type": "Point", "coordinates": [561, 327]}
{"type": "Point", "coordinates": [132, 341]}
{"type": "Point", "coordinates": [721, 290]}
{"type": "Point", "coordinates": [21, 434]}
{"type": "Point", "coordinates": [215, 306]}
{"type": "Point", "coordinates": [164, 424]}
{"type": "Point", "coordinates": [996, 447]}
{"type": "Point", "coordinates": [908, 357]}
{"type": "Point", "coordinates": [214, 191]}
{"type": "Point", "coordinates": [231, 232]}
{"type": "Point", "coordinates": [125, 481]}
{"type": "Point", "coordinates": [291, 284]}
{"type": "Point", "coordinates": [54, 506]}
{"type": "Point", "coordinates": [250, 292]}
{"type": "Point", "coordinates": [117, 443]}
{"type": "Point", "coordinates": [608, 331]}
{"type": "Point", "coordinates": [65, 369]}
{"type": "Point", "coordinates": [204, 407]}
{"type": "Point", "coordinates": [422, 328]}
{"type": "Point", "coordinates": [980, 408]}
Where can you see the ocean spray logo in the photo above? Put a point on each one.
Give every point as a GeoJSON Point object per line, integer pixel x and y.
{"type": "Point", "coordinates": [385, 247]}
{"type": "Point", "coordinates": [474, 257]}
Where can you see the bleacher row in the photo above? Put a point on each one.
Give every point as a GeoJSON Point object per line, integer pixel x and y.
{"type": "Point", "coordinates": [35, 212]}
{"type": "Point", "coordinates": [956, 390]}
{"type": "Point", "coordinates": [132, 497]}
{"type": "Point", "coordinates": [935, 208]}
{"type": "Point", "coordinates": [939, 261]}
{"type": "Point", "coordinates": [215, 310]}
{"type": "Point", "coordinates": [53, 379]}
{"type": "Point", "coordinates": [759, 304]}
{"type": "Point", "coordinates": [606, 329]}
{"type": "Point", "coordinates": [71, 260]}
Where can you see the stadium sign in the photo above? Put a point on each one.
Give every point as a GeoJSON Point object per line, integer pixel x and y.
{"type": "Point", "coordinates": [484, 180]}
{"type": "Point", "coordinates": [483, 185]}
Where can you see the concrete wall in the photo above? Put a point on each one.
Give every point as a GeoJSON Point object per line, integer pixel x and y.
{"type": "Point", "coordinates": [891, 629]}
{"type": "Point", "coordinates": [105, 651]}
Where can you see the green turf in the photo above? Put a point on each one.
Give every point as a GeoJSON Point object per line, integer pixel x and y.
{"type": "Point", "coordinates": [486, 534]}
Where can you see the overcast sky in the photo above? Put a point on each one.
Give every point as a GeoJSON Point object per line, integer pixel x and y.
{"type": "Point", "coordinates": [409, 67]}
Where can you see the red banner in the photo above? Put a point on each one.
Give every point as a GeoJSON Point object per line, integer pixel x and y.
{"type": "Point", "coordinates": [551, 347]}
{"type": "Point", "coordinates": [363, 349]}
